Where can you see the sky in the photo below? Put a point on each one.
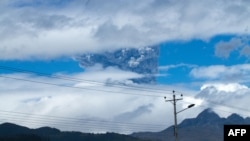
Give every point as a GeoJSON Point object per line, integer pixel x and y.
{"type": "Point", "coordinates": [204, 55]}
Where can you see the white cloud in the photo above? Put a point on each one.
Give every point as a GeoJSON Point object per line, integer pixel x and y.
{"type": "Point", "coordinates": [50, 29]}
{"type": "Point", "coordinates": [101, 104]}
{"type": "Point", "coordinates": [226, 98]}
{"type": "Point", "coordinates": [61, 107]}
{"type": "Point", "coordinates": [212, 72]}
{"type": "Point", "coordinates": [232, 87]}
{"type": "Point", "coordinates": [167, 67]}
{"type": "Point", "coordinates": [108, 107]}
{"type": "Point", "coordinates": [108, 75]}
{"type": "Point", "coordinates": [234, 73]}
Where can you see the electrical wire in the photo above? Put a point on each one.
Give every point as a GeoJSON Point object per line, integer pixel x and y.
{"type": "Point", "coordinates": [71, 118]}
{"type": "Point", "coordinates": [132, 125]}
{"type": "Point", "coordinates": [83, 88]}
{"type": "Point", "coordinates": [157, 90]}
{"type": "Point", "coordinates": [214, 103]}
{"type": "Point", "coordinates": [74, 122]}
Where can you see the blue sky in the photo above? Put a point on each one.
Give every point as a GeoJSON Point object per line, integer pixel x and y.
{"type": "Point", "coordinates": [204, 54]}
{"type": "Point", "coordinates": [193, 53]}
{"type": "Point", "coordinates": [60, 65]}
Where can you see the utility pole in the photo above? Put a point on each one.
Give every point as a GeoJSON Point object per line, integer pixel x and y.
{"type": "Point", "coordinates": [174, 100]}
{"type": "Point", "coordinates": [175, 119]}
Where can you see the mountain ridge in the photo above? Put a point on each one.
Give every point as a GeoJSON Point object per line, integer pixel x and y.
{"type": "Point", "coordinates": [207, 126]}
{"type": "Point", "coordinates": [14, 132]}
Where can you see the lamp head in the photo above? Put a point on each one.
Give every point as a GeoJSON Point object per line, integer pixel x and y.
{"type": "Point", "coordinates": [191, 105]}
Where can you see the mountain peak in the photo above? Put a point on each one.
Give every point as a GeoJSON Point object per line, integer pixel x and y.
{"type": "Point", "coordinates": [10, 128]}
{"type": "Point", "coordinates": [208, 114]}
{"type": "Point", "coordinates": [235, 118]}
{"type": "Point", "coordinates": [206, 117]}
{"type": "Point", "coordinates": [47, 130]}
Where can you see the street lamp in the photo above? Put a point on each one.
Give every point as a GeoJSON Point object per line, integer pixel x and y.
{"type": "Point", "coordinates": [175, 119]}
{"type": "Point", "coordinates": [175, 113]}
{"type": "Point", "coordinates": [189, 106]}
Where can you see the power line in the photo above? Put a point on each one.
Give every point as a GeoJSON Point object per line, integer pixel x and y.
{"type": "Point", "coordinates": [71, 118]}
{"type": "Point", "coordinates": [85, 88]}
{"type": "Point", "coordinates": [69, 121]}
{"type": "Point", "coordinates": [157, 90]}
{"type": "Point", "coordinates": [32, 81]}
{"type": "Point", "coordinates": [76, 126]}
{"type": "Point", "coordinates": [101, 83]}
{"type": "Point", "coordinates": [80, 125]}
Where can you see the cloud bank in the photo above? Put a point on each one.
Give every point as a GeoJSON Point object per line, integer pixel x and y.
{"type": "Point", "coordinates": [45, 29]}
{"type": "Point", "coordinates": [236, 73]}
{"type": "Point", "coordinates": [226, 98]}
{"type": "Point", "coordinates": [88, 106]}
{"type": "Point", "coordinates": [97, 106]}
